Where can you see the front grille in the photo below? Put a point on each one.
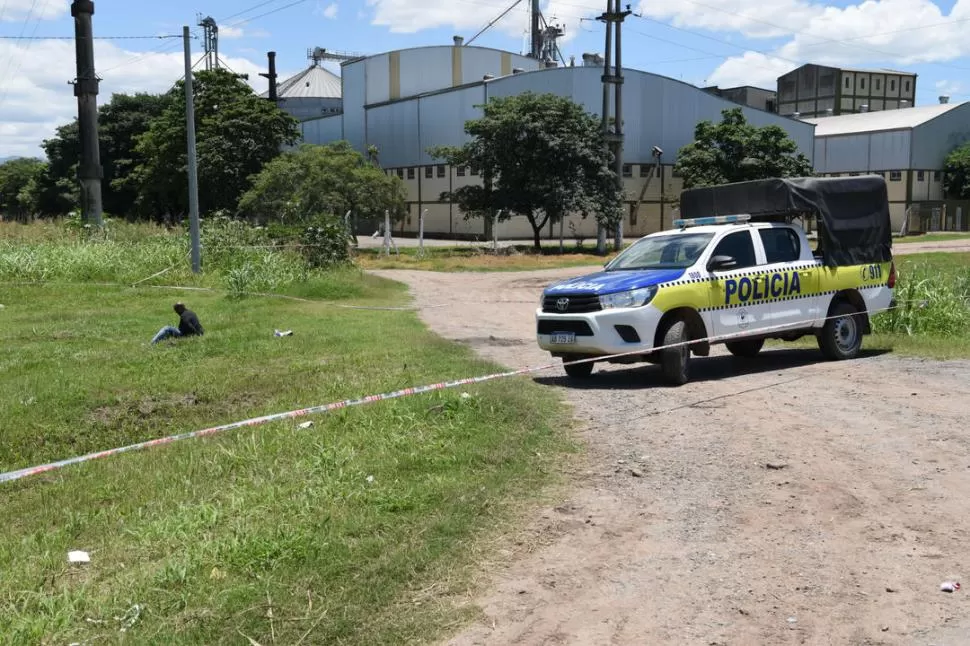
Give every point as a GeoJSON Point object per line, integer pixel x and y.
{"type": "Point", "coordinates": [627, 333]}
{"type": "Point", "coordinates": [580, 328]}
{"type": "Point", "coordinates": [577, 303]}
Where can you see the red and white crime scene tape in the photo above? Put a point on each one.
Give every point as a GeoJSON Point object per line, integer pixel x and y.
{"type": "Point", "coordinates": [347, 403]}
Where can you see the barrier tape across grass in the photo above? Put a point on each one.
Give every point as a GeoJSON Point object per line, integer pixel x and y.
{"type": "Point", "coordinates": [347, 403]}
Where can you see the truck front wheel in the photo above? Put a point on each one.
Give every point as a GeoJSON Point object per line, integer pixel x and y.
{"type": "Point", "coordinates": [675, 362]}
{"type": "Point", "coordinates": [577, 370]}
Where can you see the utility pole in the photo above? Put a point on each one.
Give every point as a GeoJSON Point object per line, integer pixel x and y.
{"type": "Point", "coordinates": [536, 31]}
{"type": "Point", "coordinates": [192, 161]}
{"type": "Point", "coordinates": [614, 77]}
{"type": "Point", "coordinates": [90, 172]}
{"type": "Point", "coordinates": [271, 76]}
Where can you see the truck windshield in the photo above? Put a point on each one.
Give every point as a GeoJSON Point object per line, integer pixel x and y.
{"type": "Point", "coordinates": [675, 251]}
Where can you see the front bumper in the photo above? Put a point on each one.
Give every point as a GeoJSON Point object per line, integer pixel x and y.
{"type": "Point", "coordinates": [605, 332]}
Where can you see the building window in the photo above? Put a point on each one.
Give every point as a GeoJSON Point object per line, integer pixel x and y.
{"type": "Point", "coordinates": [920, 176]}
{"type": "Point", "coordinates": [461, 171]}
{"type": "Point", "coordinates": [878, 84]}
{"type": "Point", "coordinates": [644, 170]}
{"type": "Point", "coordinates": [474, 171]}
{"type": "Point", "coordinates": [410, 173]}
{"type": "Point", "coordinates": [907, 87]}
{"type": "Point", "coordinates": [400, 173]}
{"type": "Point", "coordinates": [895, 176]}
{"type": "Point", "coordinates": [892, 85]}
{"type": "Point", "coordinates": [440, 168]}
{"type": "Point", "coordinates": [862, 84]}
{"type": "Point", "coordinates": [627, 170]}
{"type": "Point", "coordinates": [428, 172]}
{"type": "Point", "coordinates": [848, 82]}
{"type": "Point", "coordinates": [937, 176]}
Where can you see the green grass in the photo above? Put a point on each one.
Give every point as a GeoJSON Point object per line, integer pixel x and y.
{"type": "Point", "coordinates": [932, 237]}
{"type": "Point", "coordinates": [274, 533]}
{"type": "Point", "coordinates": [449, 259]}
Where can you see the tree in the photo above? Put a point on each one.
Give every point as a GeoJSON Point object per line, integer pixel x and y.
{"type": "Point", "coordinates": [16, 175]}
{"type": "Point", "coordinates": [237, 132]}
{"type": "Point", "coordinates": [120, 122]}
{"type": "Point", "coordinates": [321, 180]}
{"type": "Point", "coordinates": [735, 151]}
{"type": "Point", "coordinates": [956, 173]}
{"type": "Point", "coordinates": [541, 156]}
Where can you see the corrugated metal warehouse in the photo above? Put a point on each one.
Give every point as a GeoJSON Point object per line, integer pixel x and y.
{"type": "Point", "coordinates": [404, 102]}
{"type": "Point", "coordinates": [908, 147]}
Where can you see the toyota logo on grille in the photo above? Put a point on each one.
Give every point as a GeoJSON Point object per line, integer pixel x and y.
{"type": "Point", "coordinates": [562, 304]}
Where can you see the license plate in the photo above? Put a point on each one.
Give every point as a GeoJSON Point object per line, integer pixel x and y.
{"type": "Point", "coordinates": [564, 338]}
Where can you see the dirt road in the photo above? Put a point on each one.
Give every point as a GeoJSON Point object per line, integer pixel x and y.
{"type": "Point", "coordinates": [781, 500]}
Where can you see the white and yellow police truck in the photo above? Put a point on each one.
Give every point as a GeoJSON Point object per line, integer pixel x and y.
{"type": "Point", "coordinates": [737, 269]}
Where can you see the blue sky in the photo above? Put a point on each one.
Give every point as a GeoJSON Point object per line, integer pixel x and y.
{"type": "Point", "coordinates": [723, 42]}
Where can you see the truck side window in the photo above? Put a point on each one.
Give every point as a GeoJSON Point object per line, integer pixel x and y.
{"type": "Point", "coordinates": [739, 246]}
{"type": "Point", "coordinates": [781, 245]}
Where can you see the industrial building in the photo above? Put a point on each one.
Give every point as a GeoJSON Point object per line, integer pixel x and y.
{"type": "Point", "coordinates": [753, 97]}
{"type": "Point", "coordinates": [817, 91]}
{"type": "Point", "coordinates": [908, 147]}
{"type": "Point", "coordinates": [404, 102]}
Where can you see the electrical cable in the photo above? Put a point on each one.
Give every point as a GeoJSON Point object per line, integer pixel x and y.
{"type": "Point", "coordinates": [163, 36]}
{"type": "Point", "coordinates": [20, 62]}
{"type": "Point", "coordinates": [489, 25]}
{"type": "Point", "coordinates": [268, 13]}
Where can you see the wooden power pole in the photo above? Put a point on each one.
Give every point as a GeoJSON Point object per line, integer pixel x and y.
{"type": "Point", "coordinates": [90, 172]}
{"type": "Point", "coordinates": [613, 76]}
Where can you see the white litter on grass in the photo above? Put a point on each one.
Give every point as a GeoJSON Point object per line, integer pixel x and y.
{"type": "Point", "coordinates": [305, 425]}
{"type": "Point", "coordinates": [283, 333]}
{"type": "Point", "coordinates": [466, 396]}
{"type": "Point", "coordinates": [77, 556]}
{"type": "Point", "coordinates": [370, 478]}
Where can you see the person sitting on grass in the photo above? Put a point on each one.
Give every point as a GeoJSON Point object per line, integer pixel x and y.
{"type": "Point", "coordinates": [188, 325]}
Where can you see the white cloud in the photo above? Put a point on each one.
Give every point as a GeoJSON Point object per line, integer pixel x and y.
{"type": "Point", "coordinates": [412, 16]}
{"type": "Point", "coordinates": [329, 12]}
{"type": "Point", "coordinates": [875, 33]}
{"type": "Point", "coordinates": [37, 97]}
{"type": "Point", "coordinates": [951, 88]}
{"type": "Point", "coordinates": [19, 10]}
{"type": "Point", "coordinates": [231, 32]}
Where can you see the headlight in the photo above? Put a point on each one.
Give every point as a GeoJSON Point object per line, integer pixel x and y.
{"type": "Point", "coordinates": [633, 298]}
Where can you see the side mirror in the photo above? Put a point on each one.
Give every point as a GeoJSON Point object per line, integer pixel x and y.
{"type": "Point", "coordinates": [721, 263]}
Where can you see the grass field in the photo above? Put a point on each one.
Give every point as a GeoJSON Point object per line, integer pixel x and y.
{"type": "Point", "coordinates": [932, 237]}
{"type": "Point", "coordinates": [363, 529]}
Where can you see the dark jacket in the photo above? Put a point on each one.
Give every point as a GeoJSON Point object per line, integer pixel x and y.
{"type": "Point", "coordinates": [189, 324]}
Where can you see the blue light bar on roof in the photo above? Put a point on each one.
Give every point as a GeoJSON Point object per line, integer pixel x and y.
{"type": "Point", "coordinates": [716, 219]}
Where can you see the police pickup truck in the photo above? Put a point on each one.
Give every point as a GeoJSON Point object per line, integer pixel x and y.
{"type": "Point", "coordinates": [736, 270]}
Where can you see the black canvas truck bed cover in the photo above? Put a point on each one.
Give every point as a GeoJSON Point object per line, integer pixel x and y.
{"type": "Point", "coordinates": [853, 212]}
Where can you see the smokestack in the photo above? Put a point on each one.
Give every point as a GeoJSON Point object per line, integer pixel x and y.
{"type": "Point", "coordinates": [459, 41]}
{"type": "Point", "coordinates": [944, 99]}
{"type": "Point", "coordinates": [271, 76]}
{"type": "Point", "coordinates": [572, 61]}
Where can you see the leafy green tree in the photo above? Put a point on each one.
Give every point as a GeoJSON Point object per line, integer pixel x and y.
{"type": "Point", "coordinates": [237, 132]}
{"type": "Point", "coordinates": [16, 176]}
{"type": "Point", "coordinates": [956, 173]}
{"type": "Point", "coordinates": [541, 156]}
{"type": "Point", "coordinates": [120, 122]}
{"type": "Point", "coordinates": [312, 180]}
{"type": "Point", "coordinates": [735, 151]}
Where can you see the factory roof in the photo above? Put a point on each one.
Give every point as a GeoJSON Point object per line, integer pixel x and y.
{"type": "Point", "coordinates": [314, 82]}
{"type": "Point", "coordinates": [898, 119]}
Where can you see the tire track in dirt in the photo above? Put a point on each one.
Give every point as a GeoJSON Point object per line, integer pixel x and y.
{"type": "Point", "coordinates": [704, 544]}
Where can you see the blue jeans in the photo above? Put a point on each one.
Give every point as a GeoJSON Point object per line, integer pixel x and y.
{"type": "Point", "coordinates": [166, 332]}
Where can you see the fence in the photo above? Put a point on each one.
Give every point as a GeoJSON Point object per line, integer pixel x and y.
{"type": "Point", "coordinates": [932, 217]}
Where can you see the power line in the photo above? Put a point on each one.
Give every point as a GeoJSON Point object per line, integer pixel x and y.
{"type": "Point", "coordinates": [244, 11]}
{"type": "Point", "coordinates": [489, 25]}
{"type": "Point", "coordinates": [20, 62]}
{"type": "Point", "coordinates": [268, 13]}
{"type": "Point", "coordinates": [93, 37]}
{"type": "Point", "coordinates": [165, 48]}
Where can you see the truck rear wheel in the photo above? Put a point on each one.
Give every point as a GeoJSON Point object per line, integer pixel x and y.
{"type": "Point", "coordinates": [841, 337]}
{"type": "Point", "coordinates": [747, 348]}
{"type": "Point", "coordinates": [675, 362]}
